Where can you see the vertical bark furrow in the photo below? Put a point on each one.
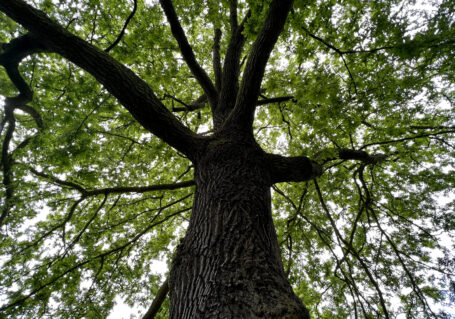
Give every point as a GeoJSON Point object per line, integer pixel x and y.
{"type": "Point", "coordinates": [229, 260]}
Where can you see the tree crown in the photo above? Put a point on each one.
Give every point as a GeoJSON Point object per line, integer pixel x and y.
{"type": "Point", "coordinates": [107, 102]}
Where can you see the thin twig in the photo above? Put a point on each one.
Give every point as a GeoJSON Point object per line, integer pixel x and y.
{"type": "Point", "coordinates": [119, 38]}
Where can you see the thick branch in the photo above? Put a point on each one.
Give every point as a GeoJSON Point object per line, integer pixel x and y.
{"type": "Point", "coordinates": [25, 93]}
{"type": "Point", "coordinates": [158, 301]}
{"type": "Point", "coordinates": [233, 16]}
{"type": "Point", "coordinates": [217, 58]}
{"type": "Point", "coordinates": [139, 189]}
{"type": "Point", "coordinates": [243, 112]}
{"type": "Point", "coordinates": [131, 91]}
{"type": "Point", "coordinates": [292, 169]}
{"type": "Point", "coordinates": [19, 48]}
{"type": "Point", "coordinates": [10, 56]}
{"type": "Point", "coordinates": [231, 68]}
{"type": "Point", "coordinates": [33, 113]}
{"type": "Point", "coordinates": [187, 52]}
{"type": "Point", "coordinates": [6, 163]}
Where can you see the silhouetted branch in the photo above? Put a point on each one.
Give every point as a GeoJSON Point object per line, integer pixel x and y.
{"type": "Point", "coordinates": [187, 52]}
{"type": "Point", "coordinates": [103, 254]}
{"type": "Point", "coordinates": [33, 113]}
{"type": "Point", "coordinates": [341, 53]}
{"type": "Point", "coordinates": [275, 100]}
{"type": "Point", "coordinates": [119, 38]}
{"type": "Point", "coordinates": [10, 55]}
{"type": "Point", "coordinates": [409, 138]}
{"type": "Point", "coordinates": [6, 164]}
{"type": "Point", "coordinates": [243, 113]}
{"type": "Point", "coordinates": [351, 249]}
{"type": "Point", "coordinates": [233, 16]}
{"type": "Point", "coordinates": [231, 67]}
{"type": "Point", "coordinates": [415, 286]}
{"type": "Point", "coordinates": [158, 301]}
{"type": "Point", "coordinates": [113, 190]}
{"type": "Point", "coordinates": [217, 59]}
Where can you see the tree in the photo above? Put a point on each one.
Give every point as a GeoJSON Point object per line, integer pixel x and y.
{"type": "Point", "coordinates": [343, 108]}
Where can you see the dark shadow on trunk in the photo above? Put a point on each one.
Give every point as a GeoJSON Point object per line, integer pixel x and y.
{"type": "Point", "coordinates": [229, 263]}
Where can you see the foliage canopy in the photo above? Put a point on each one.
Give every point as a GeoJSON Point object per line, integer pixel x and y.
{"type": "Point", "coordinates": [365, 88]}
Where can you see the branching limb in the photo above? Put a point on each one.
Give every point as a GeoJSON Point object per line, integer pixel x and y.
{"type": "Point", "coordinates": [17, 49]}
{"type": "Point", "coordinates": [188, 54]}
{"type": "Point", "coordinates": [345, 154]}
{"type": "Point", "coordinates": [348, 154]}
{"type": "Point", "coordinates": [325, 238]}
{"type": "Point", "coordinates": [450, 130]}
{"type": "Point", "coordinates": [158, 301]}
{"type": "Point", "coordinates": [10, 56]}
{"type": "Point", "coordinates": [301, 168]}
{"type": "Point", "coordinates": [58, 181]}
{"type": "Point", "coordinates": [197, 104]}
{"type": "Point", "coordinates": [101, 256]}
{"type": "Point", "coordinates": [415, 286]}
{"type": "Point", "coordinates": [429, 127]}
{"type": "Point", "coordinates": [341, 54]}
{"type": "Point", "coordinates": [347, 275]}
{"type": "Point", "coordinates": [120, 36]}
{"type": "Point", "coordinates": [352, 250]}
{"type": "Point", "coordinates": [173, 98]}
{"type": "Point", "coordinates": [231, 67]}
{"type": "Point", "coordinates": [130, 90]}
{"type": "Point", "coordinates": [33, 113]}
{"type": "Point", "coordinates": [112, 190]}
{"type": "Point", "coordinates": [79, 235]}
{"type": "Point", "coordinates": [243, 113]}
{"type": "Point", "coordinates": [25, 94]}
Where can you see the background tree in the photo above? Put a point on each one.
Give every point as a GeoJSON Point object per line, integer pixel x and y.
{"type": "Point", "coordinates": [114, 110]}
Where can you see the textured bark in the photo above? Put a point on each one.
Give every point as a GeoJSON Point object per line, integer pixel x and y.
{"type": "Point", "coordinates": [292, 169]}
{"type": "Point", "coordinates": [229, 263]}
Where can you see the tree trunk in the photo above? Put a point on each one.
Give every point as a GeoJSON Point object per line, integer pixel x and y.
{"type": "Point", "coordinates": [229, 263]}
